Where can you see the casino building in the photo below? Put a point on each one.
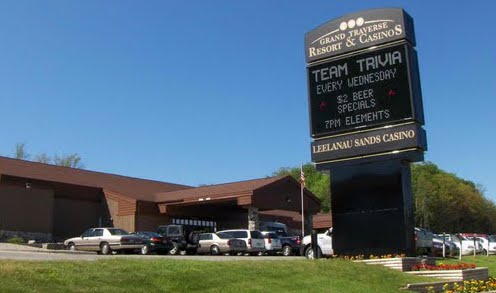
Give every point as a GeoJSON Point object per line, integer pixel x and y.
{"type": "Point", "coordinates": [49, 203]}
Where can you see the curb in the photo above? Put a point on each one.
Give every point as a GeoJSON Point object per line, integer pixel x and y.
{"type": "Point", "coordinates": [49, 251]}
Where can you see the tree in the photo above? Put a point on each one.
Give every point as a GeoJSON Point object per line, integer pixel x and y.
{"type": "Point", "coordinates": [71, 160]}
{"type": "Point", "coordinates": [43, 158]}
{"type": "Point", "coordinates": [20, 152]}
{"type": "Point", "coordinates": [318, 183]}
{"type": "Point", "coordinates": [447, 203]}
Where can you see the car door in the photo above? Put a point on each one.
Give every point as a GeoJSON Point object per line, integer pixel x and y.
{"type": "Point", "coordinates": [84, 242]}
{"type": "Point", "coordinates": [205, 240]}
{"type": "Point", "coordinates": [94, 241]}
{"type": "Point", "coordinates": [326, 241]}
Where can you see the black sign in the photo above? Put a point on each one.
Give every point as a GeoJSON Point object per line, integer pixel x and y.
{"type": "Point", "coordinates": [373, 142]}
{"type": "Point", "coordinates": [357, 31]}
{"type": "Point", "coordinates": [367, 90]}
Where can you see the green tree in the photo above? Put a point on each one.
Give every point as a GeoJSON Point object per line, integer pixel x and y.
{"type": "Point", "coordinates": [71, 160]}
{"type": "Point", "coordinates": [43, 158]}
{"type": "Point", "coordinates": [447, 203]}
{"type": "Point", "coordinates": [318, 183]}
{"type": "Point", "coordinates": [20, 151]}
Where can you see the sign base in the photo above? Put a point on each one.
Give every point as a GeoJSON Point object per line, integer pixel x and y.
{"type": "Point", "coordinates": [372, 209]}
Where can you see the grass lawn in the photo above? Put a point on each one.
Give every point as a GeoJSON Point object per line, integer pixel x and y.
{"type": "Point", "coordinates": [176, 275]}
{"type": "Point", "coordinates": [480, 260]}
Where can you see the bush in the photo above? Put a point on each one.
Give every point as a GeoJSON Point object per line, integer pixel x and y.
{"type": "Point", "coordinates": [15, 240]}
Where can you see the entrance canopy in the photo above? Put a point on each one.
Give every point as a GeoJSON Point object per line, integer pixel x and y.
{"type": "Point", "coordinates": [273, 193]}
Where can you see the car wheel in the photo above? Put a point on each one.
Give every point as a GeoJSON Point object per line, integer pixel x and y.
{"type": "Point", "coordinates": [105, 248]}
{"type": "Point", "coordinates": [145, 250]}
{"type": "Point", "coordinates": [175, 249]}
{"type": "Point", "coordinates": [287, 250]}
{"type": "Point", "coordinates": [214, 250]}
{"type": "Point", "coordinates": [309, 253]}
{"type": "Point", "coordinates": [71, 247]}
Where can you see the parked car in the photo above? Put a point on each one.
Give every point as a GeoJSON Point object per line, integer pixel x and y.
{"type": "Point", "coordinates": [153, 242]}
{"type": "Point", "coordinates": [184, 238]}
{"type": "Point", "coordinates": [272, 242]}
{"type": "Point", "coordinates": [253, 238]}
{"type": "Point", "coordinates": [450, 248]}
{"type": "Point", "coordinates": [104, 241]}
{"type": "Point", "coordinates": [424, 241]}
{"type": "Point", "coordinates": [465, 245]}
{"type": "Point", "coordinates": [480, 244]}
{"type": "Point", "coordinates": [324, 244]}
{"type": "Point", "coordinates": [220, 243]}
{"type": "Point", "coordinates": [290, 244]}
{"type": "Point", "coordinates": [492, 244]}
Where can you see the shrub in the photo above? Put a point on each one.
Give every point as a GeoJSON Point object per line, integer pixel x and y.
{"type": "Point", "coordinates": [15, 240]}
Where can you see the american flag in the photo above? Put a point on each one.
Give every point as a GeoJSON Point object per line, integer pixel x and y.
{"type": "Point", "coordinates": [302, 177]}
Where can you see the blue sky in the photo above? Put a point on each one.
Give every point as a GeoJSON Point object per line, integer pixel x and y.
{"type": "Point", "coordinates": [205, 92]}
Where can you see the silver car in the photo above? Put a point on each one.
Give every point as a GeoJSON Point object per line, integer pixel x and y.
{"type": "Point", "coordinates": [254, 240]}
{"type": "Point", "coordinates": [219, 243]}
{"type": "Point", "coordinates": [104, 241]}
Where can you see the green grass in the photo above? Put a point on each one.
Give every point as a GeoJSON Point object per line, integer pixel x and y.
{"type": "Point", "coordinates": [176, 275]}
{"type": "Point", "coordinates": [480, 261]}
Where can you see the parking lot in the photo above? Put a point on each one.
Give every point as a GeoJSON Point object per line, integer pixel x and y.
{"type": "Point", "coordinates": [24, 252]}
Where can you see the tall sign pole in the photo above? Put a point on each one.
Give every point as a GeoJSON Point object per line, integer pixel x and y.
{"type": "Point", "coordinates": [302, 187]}
{"type": "Point", "coordinates": [366, 118]}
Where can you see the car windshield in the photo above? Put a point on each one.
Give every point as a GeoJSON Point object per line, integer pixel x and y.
{"type": "Point", "coordinates": [223, 235]}
{"type": "Point", "coordinates": [118, 232]}
{"type": "Point", "coordinates": [492, 238]}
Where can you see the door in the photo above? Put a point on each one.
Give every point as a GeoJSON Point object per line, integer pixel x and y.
{"type": "Point", "coordinates": [84, 243]}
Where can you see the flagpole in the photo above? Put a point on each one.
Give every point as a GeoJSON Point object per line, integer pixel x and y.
{"type": "Point", "coordinates": [302, 186]}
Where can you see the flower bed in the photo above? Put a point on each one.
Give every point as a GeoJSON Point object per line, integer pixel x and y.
{"type": "Point", "coordinates": [455, 275]}
{"type": "Point", "coordinates": [403, 264]}
{"type": "Point", "coordinates": [443, 267]}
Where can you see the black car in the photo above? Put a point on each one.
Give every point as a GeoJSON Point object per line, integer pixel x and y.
{"type": "Point", "coordinates": [185, 238]}
{"type": "Point", "coordinates": [154, 242]}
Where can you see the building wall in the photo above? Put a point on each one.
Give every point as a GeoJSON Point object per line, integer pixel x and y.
{"type": "Point", "coordinates": [72, 217]}
{"type": "Point", "coordinates": [148, 217]}
{"type": "Point", "coordinates": [237, 220]}
{"type": "Point", "coordinates": [126, 222]}
{"type": "Point", "coordinates": [26, 210]}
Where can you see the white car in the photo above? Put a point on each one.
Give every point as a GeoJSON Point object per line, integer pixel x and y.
{"type": "Point", "coordinates": [486, 244]}
{"type": "Point", "coordinates": [104, 241]}
{"type": "Point", "coordinates": [324, 242]}
{"type": "Point", "coordinates": [254, 240]}
{"type": "Point", "coordinates": [273, 244]}
{"type": "Point", "coordinates": [466, 246]}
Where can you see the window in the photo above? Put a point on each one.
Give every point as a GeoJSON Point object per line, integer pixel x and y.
{"type": "Point", "coordinates": [256, 235]}
{"type": "Point", "coordinates": [117, 232]}
{"type": "Point", "coordinates": [224, 235]}
{"type": "Point", "coordinates": [98, 232]}
{"type": "Point", "coordinates": [89, 233]}
{"type": "Point", "coordinates": [238, 234]}
{"type": "Point", "coordinates": [173, 230]}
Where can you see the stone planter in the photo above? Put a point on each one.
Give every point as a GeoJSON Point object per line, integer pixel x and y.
{"type": "Point", "coordinates": [403, 264]}
{"type": "Point", "coordinates": [455, 275]}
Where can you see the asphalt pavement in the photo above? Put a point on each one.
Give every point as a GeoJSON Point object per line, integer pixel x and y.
{"type": "Point", "coordinates": [24, 252]}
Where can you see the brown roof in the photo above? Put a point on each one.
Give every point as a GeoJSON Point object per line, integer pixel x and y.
{"type": "Point", "coordinates": [141, 189]}
{"type": "Point", "coordinates": [322, 221]}
{"type": "Point", "coordinates": [219, 190]}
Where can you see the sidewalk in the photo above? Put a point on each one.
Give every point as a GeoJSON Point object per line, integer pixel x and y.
{"type": "Point", "coordinates": [9, 247]}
